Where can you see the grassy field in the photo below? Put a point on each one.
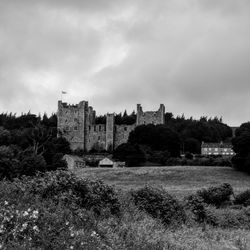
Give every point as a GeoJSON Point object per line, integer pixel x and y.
{"type": "Point", "coordinates": [177, 180]}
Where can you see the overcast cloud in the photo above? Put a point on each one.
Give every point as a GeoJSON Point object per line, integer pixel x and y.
{"type": "Point", "coordinates": [192, 55]}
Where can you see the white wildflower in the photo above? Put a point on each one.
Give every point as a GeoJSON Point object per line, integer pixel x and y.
{"type": "Point", "coordinates": [71, 247]}
{"type": "Point", "coordinates": [25, 213]}
{"type": "Point", "coordinates": [25, 224]}
{"type": "Point", "coordinates": [94, 234]}
{"type": "Point", "coordinates": [6, 202]}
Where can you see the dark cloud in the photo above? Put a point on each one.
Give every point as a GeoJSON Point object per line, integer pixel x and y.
{"type": "Point", "coordinates": [193, 55]}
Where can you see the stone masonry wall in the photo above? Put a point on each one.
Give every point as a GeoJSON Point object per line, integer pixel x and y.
{"type": "Point", "coordinates": [71, 123]}
{"type": "Point", "coordinates": [122, 133]}
{"type": "Point", "coordinates": [96, 138]}
{"type": "Point", "coordinates": [150, 117]}
{"type": "Point", "coordinates": [77, 124]}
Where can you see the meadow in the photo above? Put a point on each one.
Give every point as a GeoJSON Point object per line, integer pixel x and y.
{"type": "Point", "coordinates": [63, 210]}
{"type": "Point", "coordinates": [179, 181]}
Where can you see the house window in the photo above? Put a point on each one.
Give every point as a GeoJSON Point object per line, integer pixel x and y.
{"type": "Point", "coordinates": [125, 128]}
{"type": "Point", "coordinates": [95, 128]}
{"type": "Point", "coordinates": [99, 138]}
{"type": "Point", "coordinates": [216, 149]}
{"type": "Point", "coordinates": [205, 149]}
{"type": "Point", "coordinates": [209, 149]}
{"type": "Point", "coordinates": [75, 128]}
{"type": "Point", "coordinates": [100, 128]}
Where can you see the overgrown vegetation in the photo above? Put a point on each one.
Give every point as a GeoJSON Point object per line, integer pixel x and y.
{"type": "Point", "coordinates": [57, 210]}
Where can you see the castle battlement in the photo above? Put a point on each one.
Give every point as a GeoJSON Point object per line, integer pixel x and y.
{"type": "Point", "coordinates": [77, 124]}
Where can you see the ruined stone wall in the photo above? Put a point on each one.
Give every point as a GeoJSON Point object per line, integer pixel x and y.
{"type": "Point", "coordinates": [96, 137]}
{"type": "Point", "coordinates": [122, 133]}
{"type": "Point", "coordinates": [77, 124]}
{"type": "Point", "coordinates": [110, 127]}
{"type": "Point", "coordinates": [150, 117]}
{"type": "Point", "coordinates": [71, 123]}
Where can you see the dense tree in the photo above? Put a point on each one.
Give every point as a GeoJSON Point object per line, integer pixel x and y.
{"type": "Point", "coordinates": [8, 163]}
{"type": "Point", "coordinates": [5, 136]}
{"type": "Point", "coordinates": [130, 153]}
{"type": "Point", "coordinates": [241, 146]}
{"type": "Point", "coordinates": [157, 137]}
{"type": "Point", "coordinates": [192, 145]}
{"type": "Point", "coordinates": [32, 164]}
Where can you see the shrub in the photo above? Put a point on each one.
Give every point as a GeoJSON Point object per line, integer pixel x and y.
{"type": "Point", "coordinates": [32, 164]}
{"type": "Point", "coordinates": [196, 204]}
{"type": "Point", "coordinates": [243, 198]}
{"type": "Point", "coordinates": [62, 187]}
{"type": "Point", "coordinates": [216, 195]}
{"type": "Point", "coordinates": [228, 218]}
{"type": "Point", "coordinates": [189, 156]}
{"type": "Point", "coordinates": [159, 204]}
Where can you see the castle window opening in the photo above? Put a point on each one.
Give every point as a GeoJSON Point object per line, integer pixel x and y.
{"type": "Point", "coordinates": [100, 128]}
{"type": "Point", "coordinates": [89, 127]}
{"type": "Point", "coordinates": [125, 128]}
{"type": "Point", "coordinates": [95, 128]}
{"type": "Point", "coordinates": [99, 138]}
{"type": "Point", "coordinates": [75, 128]}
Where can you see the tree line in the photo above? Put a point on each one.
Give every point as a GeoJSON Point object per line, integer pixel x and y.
{"type": "Point", "coordinates": [29, 140]}
{"type": "Point", "coordinates": [29, 143]}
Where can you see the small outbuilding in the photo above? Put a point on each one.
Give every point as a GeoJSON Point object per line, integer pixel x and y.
{"type": "Point", "coordinates": [74, 161]}
{"type": "Point", "coordinates": [106, 163]}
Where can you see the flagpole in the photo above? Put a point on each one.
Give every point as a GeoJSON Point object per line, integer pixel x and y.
{"type": "Point", "coordinates": [62, 93]}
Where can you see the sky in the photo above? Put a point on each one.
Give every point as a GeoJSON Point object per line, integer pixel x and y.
{"type": "Point", "coordinates": [191, 55]}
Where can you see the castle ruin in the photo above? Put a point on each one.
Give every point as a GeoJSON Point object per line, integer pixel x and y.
{"type": "Point", "coordinates": [77, 124]}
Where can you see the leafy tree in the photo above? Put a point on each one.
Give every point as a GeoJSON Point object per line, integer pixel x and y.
{"type": "Point", "coordinates": [130, 153]}
{"type": "Point", "coordinates": [192, 145]}
{"type": "Point", "coordinates": [158, 137]}
{"type": "Point", "coordinates": [5, 136]}
{"type": "Point", "coordinates": [241, 146]}
{"type": "Point", "coordinates": [32, 164]}
{"type": "Point", "coordinates": [37, 138]}
{"type": "Point", "coordinates": [8, 163]}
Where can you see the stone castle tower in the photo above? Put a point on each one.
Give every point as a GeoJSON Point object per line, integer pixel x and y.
{"type": "Point", "coordinates": [77, 124]}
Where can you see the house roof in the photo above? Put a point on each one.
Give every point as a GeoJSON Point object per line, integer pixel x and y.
{"type": "Point", "coordinates": [106, 161]}
{"type": "Point", "coordinates": [216, 145]}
